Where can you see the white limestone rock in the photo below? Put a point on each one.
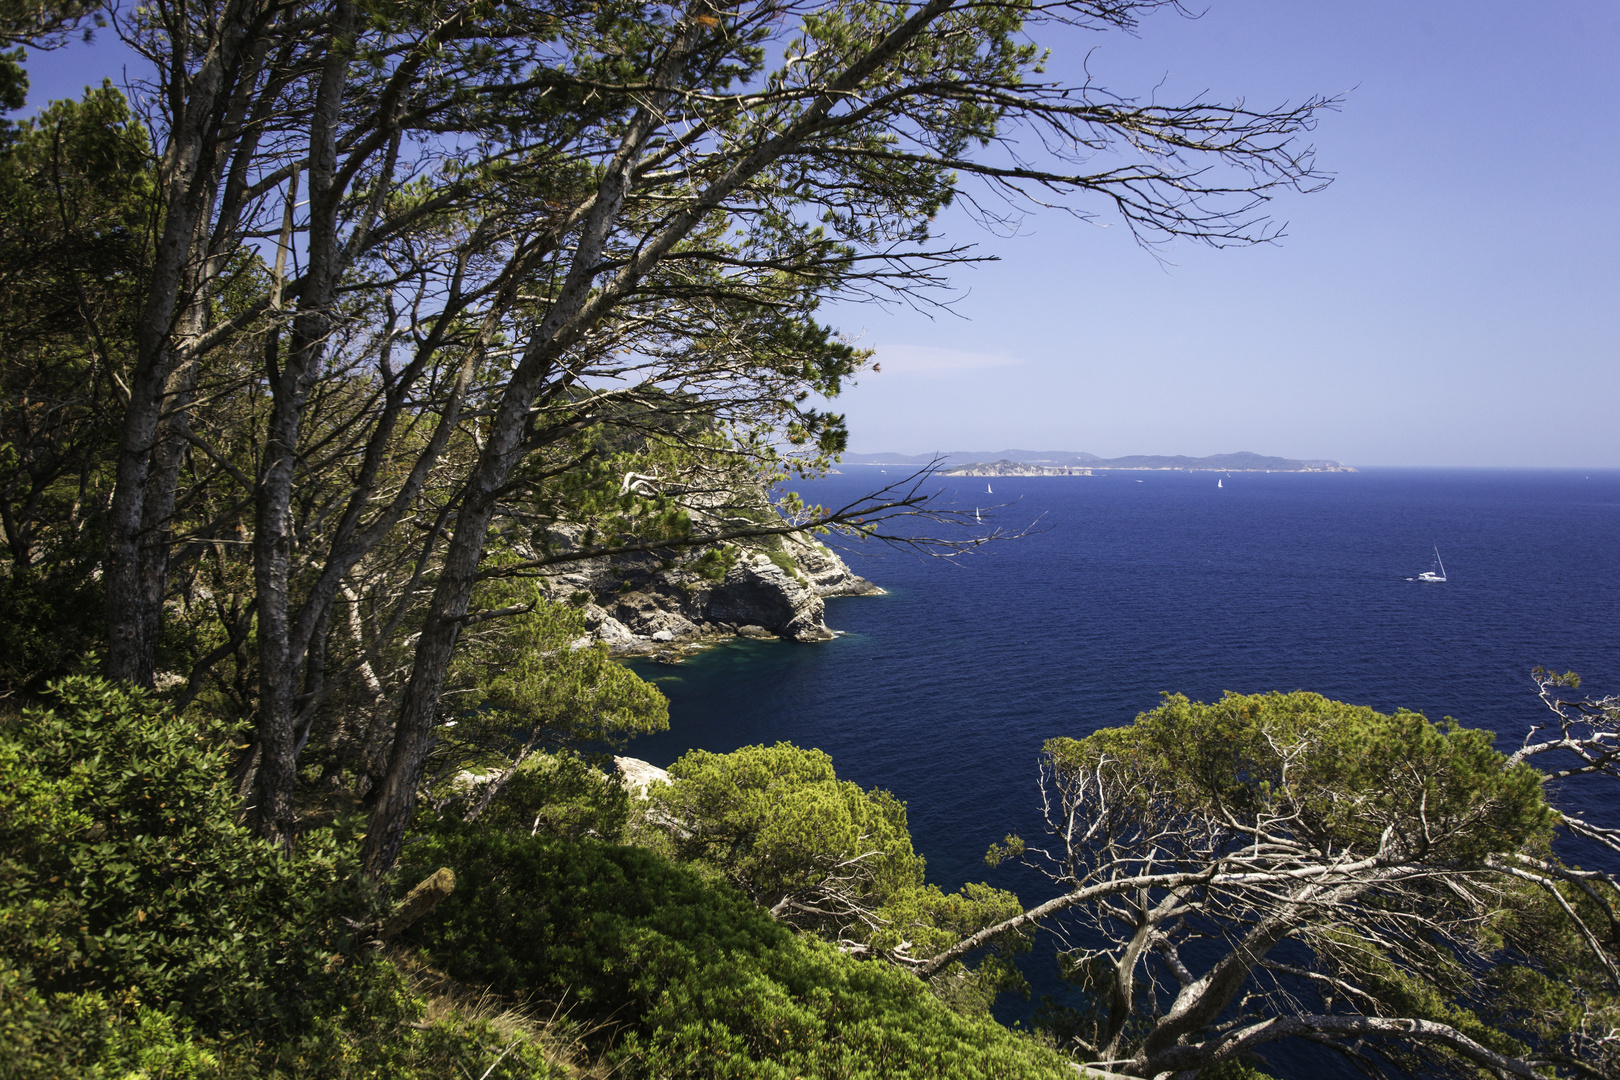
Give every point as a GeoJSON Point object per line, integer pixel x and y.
{"type": "Point", "coordinates": [826, 573]}
{"type": "Point", "coordinates": [639, 774]}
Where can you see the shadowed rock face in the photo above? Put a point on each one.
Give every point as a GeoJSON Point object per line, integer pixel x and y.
{"type": "Point", "coordinates": [760, 593]}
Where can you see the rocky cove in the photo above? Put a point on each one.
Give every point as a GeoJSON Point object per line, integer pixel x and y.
{"type": "Point", "coordinates": [645, 605]}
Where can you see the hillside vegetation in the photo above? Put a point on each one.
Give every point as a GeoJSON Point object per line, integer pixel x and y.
{"type": "Point", "coordinates": [144, 932]}
{"type": "Point", "coordinates": [374, 356]}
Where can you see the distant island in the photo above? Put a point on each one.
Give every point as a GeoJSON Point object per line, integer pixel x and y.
{"type": "Point", "coordinates": [1005, 467]}
{"type": "Point", "coordinates": [1074, 463]}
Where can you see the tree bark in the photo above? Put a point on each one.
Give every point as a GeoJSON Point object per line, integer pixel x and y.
{"type": "Point", "coordinates": [1201, 1002]}
{"type": "Point", "coordinates": [290, 383]}
{"type": "Point", "coordinates": [190, 173]}
{"type": "Point", "coordinates": [1192, 1058]}
{"type": "Point", "coordinates": [157, 513]}
{"type": "Point", "coordinates": [413, 731]}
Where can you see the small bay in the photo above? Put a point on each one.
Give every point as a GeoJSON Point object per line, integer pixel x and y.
{"type": "Point", "coordinates": [1136, 583]}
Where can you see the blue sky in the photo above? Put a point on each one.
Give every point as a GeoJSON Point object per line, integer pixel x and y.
{"type": "Point", "coordinates": [1453, 298]}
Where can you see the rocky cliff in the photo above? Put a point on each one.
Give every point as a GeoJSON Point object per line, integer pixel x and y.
{"type": "Point", "coordinates": [642, 604]}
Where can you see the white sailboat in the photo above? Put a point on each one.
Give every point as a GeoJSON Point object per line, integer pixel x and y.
{"type": "Point", "coordinates": [1218, 482]}
{"type": "Point", "coordinates": [1430, 575]}
{"type": "Point", "coordinates": [987, 490]}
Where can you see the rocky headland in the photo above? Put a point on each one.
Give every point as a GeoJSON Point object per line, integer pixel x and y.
{"type": "Point", "coordinates": [1014, 468]}
{"type": "Point", "coordinates": [645, 605]}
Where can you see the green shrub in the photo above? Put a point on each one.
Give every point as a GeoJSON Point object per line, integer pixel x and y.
{"type": "Point", "coordinates": [388, 1040]}
{"type": "Point", "coordinates": [561, 794]}
{"type": "Point", "coordinates": [777, 820]}
{"type": "Point", "coordinates": [124, 875]}
{"type": "Point", "coordinates": [714, 563]}
{"type": "Point", "coordinates": [144, 934]}
{"type": "Point", "coordinates": [698, 980]}
{"type": "Point", "coordinates": [399, 1043]}
{"type": "Point", "coordinates": [83, 1035]}
{"type": "Point", "coordinates": [829, 858]}
{"type": "Point", "coordinates": [786, 563]}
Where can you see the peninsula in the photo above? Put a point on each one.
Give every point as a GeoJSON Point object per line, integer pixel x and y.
{"type": "Point", "coordinates": [1004, 467]}
{"type": "Point", "coordinates": [1075, 463]}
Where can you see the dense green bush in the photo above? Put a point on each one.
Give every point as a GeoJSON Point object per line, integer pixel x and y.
{"type": "Point", "coordinates": [387, 1040]}
{"type": "Point", "coordinates": [123, 870]}
{"type": "Point", "coordinates": [143, 933]}
{"type": "Point", "coordinates": [830, 858]}
{"type": "Point", "coordinates": [696, 979]}
{"type": "Point", "coordinates": [125, 881]}
{"type": "Point", "coordinates": [561, 794]}
{"type": "Point", "coordinates": [779, 823]}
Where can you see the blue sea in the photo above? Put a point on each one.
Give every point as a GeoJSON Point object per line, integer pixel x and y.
{"type": "Point", "coordinates": [1132, 584]}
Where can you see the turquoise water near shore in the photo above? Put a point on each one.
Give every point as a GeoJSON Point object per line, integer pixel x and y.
{"type": "Point", "coordinates": [1134, 584]}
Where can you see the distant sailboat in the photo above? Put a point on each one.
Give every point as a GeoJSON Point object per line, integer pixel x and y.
{"type": "Point", "coordinates": [1218, 482]}
{"type": "Point", "coordinates": [987, 490]}
{"type": "Point", "coordinates": [976, 516]}
{"type": "Point", "coordinates": [1430, 575]}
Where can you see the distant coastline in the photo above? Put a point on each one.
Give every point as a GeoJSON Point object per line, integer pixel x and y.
{"type": "Point", "coordinates": [1014, 468]}
{"type": "Point", "coordinates": [1075, 463]}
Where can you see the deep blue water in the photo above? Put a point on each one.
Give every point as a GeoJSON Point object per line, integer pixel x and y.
{"type": "Point", "coordinates": [1140, 583]}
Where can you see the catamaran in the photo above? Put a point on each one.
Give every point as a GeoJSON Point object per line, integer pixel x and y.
{"type": "Point", "coordinates": [1430, 575]}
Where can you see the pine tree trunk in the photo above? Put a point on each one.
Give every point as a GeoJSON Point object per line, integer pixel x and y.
{"type": "Point", "coordinates": [135, 573]}
{"type": "Point", "coordinates": [395, 799]}
{"type": "Point", "coordinates": [280, 659]}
